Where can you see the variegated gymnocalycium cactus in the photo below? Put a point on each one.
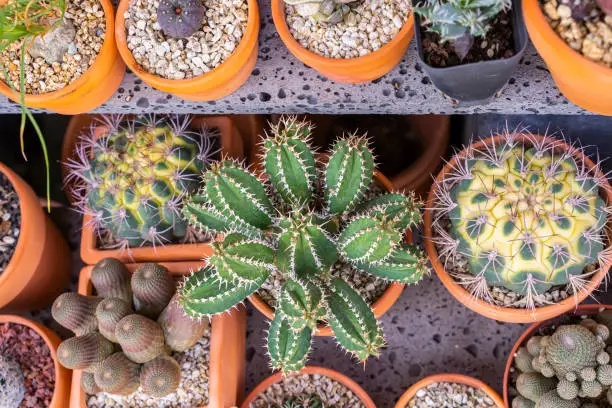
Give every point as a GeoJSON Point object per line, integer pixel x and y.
{"type": "Point", "coordinates": [285, 226]}
{"type": "Point", "coordinates": [527, 216]}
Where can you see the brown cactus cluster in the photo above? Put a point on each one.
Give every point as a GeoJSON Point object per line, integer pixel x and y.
{"type": "Point", "coordinates": [124, 334]}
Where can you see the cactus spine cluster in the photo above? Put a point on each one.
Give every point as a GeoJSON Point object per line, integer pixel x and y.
{"type": "Point", "coordinates": [304, 401]}
{"type": "Point", "coordinates": [132, 179]}
{"type": "Point", "coordinates": [12, 383]}
{"type": "Point", "coordinates": [116, 346]}
{"type": "Point", "coordinates": [568, 368]}
{"type": "Point", "coordinates": [526, 215]}
{"type": "Point", "coordinates": [303, 235]}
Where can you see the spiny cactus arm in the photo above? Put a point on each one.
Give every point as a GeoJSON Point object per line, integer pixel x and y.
{"type": "Point", "coordinates": [301, 303]}
{"type": "Point", "coordinates": [406, 264]}
{"type": "Point", "coordinates": [289, 161]}
{"type": "Point", "coordinates": [203, 294]}
{"type": "Point", "coordinates": [403, 210]}
{"type": "Point", "coordinates": [368, 239]}
{"type": "Point", "coordinates": [239, 259]}
{"type": "Point", "coordinates": [205, 217]}
{"type": "Point", "coordinates": [348, 174]}
{"type": "Point", "coordinates": [238, 195]}
{"type": "Point", "coordinates": [288, 348]}
{"type": "Point", "coordinates": [353, 321]}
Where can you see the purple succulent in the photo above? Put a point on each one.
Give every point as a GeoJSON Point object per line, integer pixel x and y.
{"type": "Point", "coordinates": [180, 18]}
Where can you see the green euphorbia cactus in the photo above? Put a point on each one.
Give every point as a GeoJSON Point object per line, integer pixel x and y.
{"type": "Point", "coordinates": [302, 231]}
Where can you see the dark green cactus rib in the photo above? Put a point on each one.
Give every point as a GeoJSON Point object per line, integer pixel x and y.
{"type": "Point", "coordinates": [402, 210]}
{"type": "Point", "coordinates": [367, 239]}
{"type": "Point", "coordinates": [203, 294]}
{"type": "Point", "coordinates": [288, 348]}
{"type": "Point", "coordinates": [290, 162]}
{"type": "Point", "coordinates": [204, 216]}
{"type": "Point", "coordinates": [348, 174]}
{"type": "Point", "coordinates": [406, 264]}
{"type": "Point", "coordinates": [353, 321]}
{"type": "Point", "coordinates": [301, 304]}
{"type": "Point", "coordinates": [238, 258]}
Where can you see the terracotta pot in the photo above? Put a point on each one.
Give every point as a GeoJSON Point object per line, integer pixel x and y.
{"type": "Point", "coordinates": [231, 145]}
{"type": "Point", "coordinates": [93, 88]}
{"type": "Point", "coordinates": [582, 81]}
{"type": "Point", "coordinates": [388, 298]}
{"type": "Point", "coordinates": [227, 346]}
{"type": "Point", "coordinates": [434, 130]}
{"type": "Point", "coordinates": [334, 375]}
{"type": "Point", "coordinates": [580, 310]}
{"type": "Point", "coordinates": [350, 71]}
{"type": "Point", "coordinates": [61, 393]}
{"type": "Point", "coordinates": [452, 378]}
{"type": "Point", "coordinates": [504, 314]}
{"type": "Point", "coordinates": [220, 82]}
{"type": "Point", "coordinates": [40, 267]}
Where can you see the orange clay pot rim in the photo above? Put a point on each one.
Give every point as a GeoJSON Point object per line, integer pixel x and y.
{"type": "Point", "coordinates": [530, 331]}
{"type": "Point", "coordinates": [449, 378]}
{"type": "Point", "coordinates": [109, 42]}
{"type": "Point", "coordinates": [326, 372]}
{"type": "Point", "coordinates": [552, 39]}
{"type": "Point", "coordinates": [278, 15]}
{"type": "Point", "coordinates": [454, 287]}
{"type": "Point", "coordinates": [190, 83]}
{"type": "Point", "coordinates": [382, 304]}
{"type": "Point", "coordinates": [48, 342]}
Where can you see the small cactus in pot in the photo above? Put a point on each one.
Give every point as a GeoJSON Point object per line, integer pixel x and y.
{"type": "Point", "coordinates": [293, 228]}
{"type": "Point", "coordinates": [180, 18]}
{"type": "Point", "coordinates": [132, 178]}
{"type": "Point", "coordinates": [326, 11]}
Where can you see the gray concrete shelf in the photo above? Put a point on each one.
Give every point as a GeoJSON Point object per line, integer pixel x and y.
{"type": "Point", "coordinates": [280, 83]}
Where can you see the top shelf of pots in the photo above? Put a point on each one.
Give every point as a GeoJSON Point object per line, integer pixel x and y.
{"type": "Point", "coordinates": [267, 57]}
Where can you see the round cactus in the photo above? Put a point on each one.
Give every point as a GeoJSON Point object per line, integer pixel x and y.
{"type": "Point", "coordinates": [604, 374]}
{"type": "Point", "coordinates": [573, 348]}
{"type": "Point", "coordinates": [533, 385]}
{"type": "Point", "coordinates": [118, 375]}
{"type": "Point", "coordinates": [111, 279]}
{"type": "Point", "coordinates": [141, 339]}
{"type": "Point", "coordinates": [523, 359]}
{"type": "Point", "coordinates": [568, 390]}
{"type": "Point", "coordinates": [88, 383]}
{"type": "Point", "coordinates": [76, 312]}
{"type": "Point", "coordinates": [153, 287]}
{"type": "Point", "coordinates": [552, 400]}
{"type": "Point", "coordinates": [591, 389]}
{"type": "Point", "coordinates": [533, 346]}
{"type": "Point", "coordinates": [160, 376]}
{"type": "Point", "coordinates": [108, 313]}
{"type": "Point", "coordinates": [522, 402]}
{"type": "Point", "coordinates": [180, 18]}
{"type": "Point", "coordinates": [180, 331]}
{"type": "Point", "coordinates": [12, 383]}
{"type": "Point", "coordinates": [526, 216]}
{"type": "Point", "coordinates": [84, 352]}
{"type": "Point", "coordinates": [135, 181]}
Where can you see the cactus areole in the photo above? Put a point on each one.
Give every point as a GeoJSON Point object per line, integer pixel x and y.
{"type": "Point", "coordinates": [292, 226]}
{"type": "Point", "coordinates": [180, 18]}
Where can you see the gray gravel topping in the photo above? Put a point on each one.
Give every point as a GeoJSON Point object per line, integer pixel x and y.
{"type": "Point", "coordinates": [10, 221]}
{"type": "Point", "coordinates": [450, 395]}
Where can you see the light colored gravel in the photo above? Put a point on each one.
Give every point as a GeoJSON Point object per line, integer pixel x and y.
{"type": "Point", "coordinates": [88, 20]}
{"type": "Point", "coordinates": [223, 27]}
{"type": "Point", "coordinates": [332, 393]}
{"type": "Point", "coordinates": [192, 391]}
{"type": "Point", "coordinates": [377, 22]}
{"type": "Point", "coordinates": [592, 37]}
{"type": "Point", "coordinates": [450, 395]}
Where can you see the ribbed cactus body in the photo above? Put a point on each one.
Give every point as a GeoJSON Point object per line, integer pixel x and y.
{"type": "Point", "coordinates": [405, 264]}
{"type": "Point", "coordinates": [138, 175]}
{"type": "Point", "coordinates": [111, 279]}
{"type": "Point", "coordinates": [118, 375]}
{"type": "Point", "coordinates": [301, 304]}
{"type": "Point", "coordinates": [367, 239]}
{"type": "Point", "coordinates": [238, 258]}
{"type": "Point", "coordinates": [12, 384]}
{"type": "Point", "coordinates": [400, 209]}
{"type": "Point", "coordinates": [88, 383]}
{"type": "Point", "coordinates": [108, 313]}
{"type": "Point", "coordinates": [76, 312]}
{"type": "Point", "coordinates": [180, 331]}
{"type": "Point", "coordinates": [141, 339]}
{"type": "Point", "coordinates": [84, 352]}
{"type": "Point", "coordinates": [552, 400]}
{"type": "Point", "coordinates": [573, 348]}
{"type": "Point", "coordinates": [288, 348]}
{"type": "Point", "coordinates": [533, 385]}
{"type": "Point", "coordinates": [160, 376]}
{"type": "Point", "coordinates": [153, 287]}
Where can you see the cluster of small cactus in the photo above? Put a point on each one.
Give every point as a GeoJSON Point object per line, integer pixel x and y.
{"type": "Point", "coordinates": [133, 178]}
{"type": "Point", "coordinates": [304, 401]}
{"type": "Point", "coordinates": [180, 18]}
{"type": "Point", "coordinates": [526, 215]}
{"type": "Point", "coordinates": [327, 11]}
{"type": "Point", "coordinates": [303, 219]}
{"type": "Point", "coordinates": [123, 335]}
{"type": "Point", "coordinates": [570, 368]}
{"type": "Point", "coordinates": [12, 383]}
{"type": "Point", "coordinates": [459, 21]}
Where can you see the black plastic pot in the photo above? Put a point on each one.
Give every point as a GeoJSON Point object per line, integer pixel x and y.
{"type": "Point", "coordinates": [478, 81]}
